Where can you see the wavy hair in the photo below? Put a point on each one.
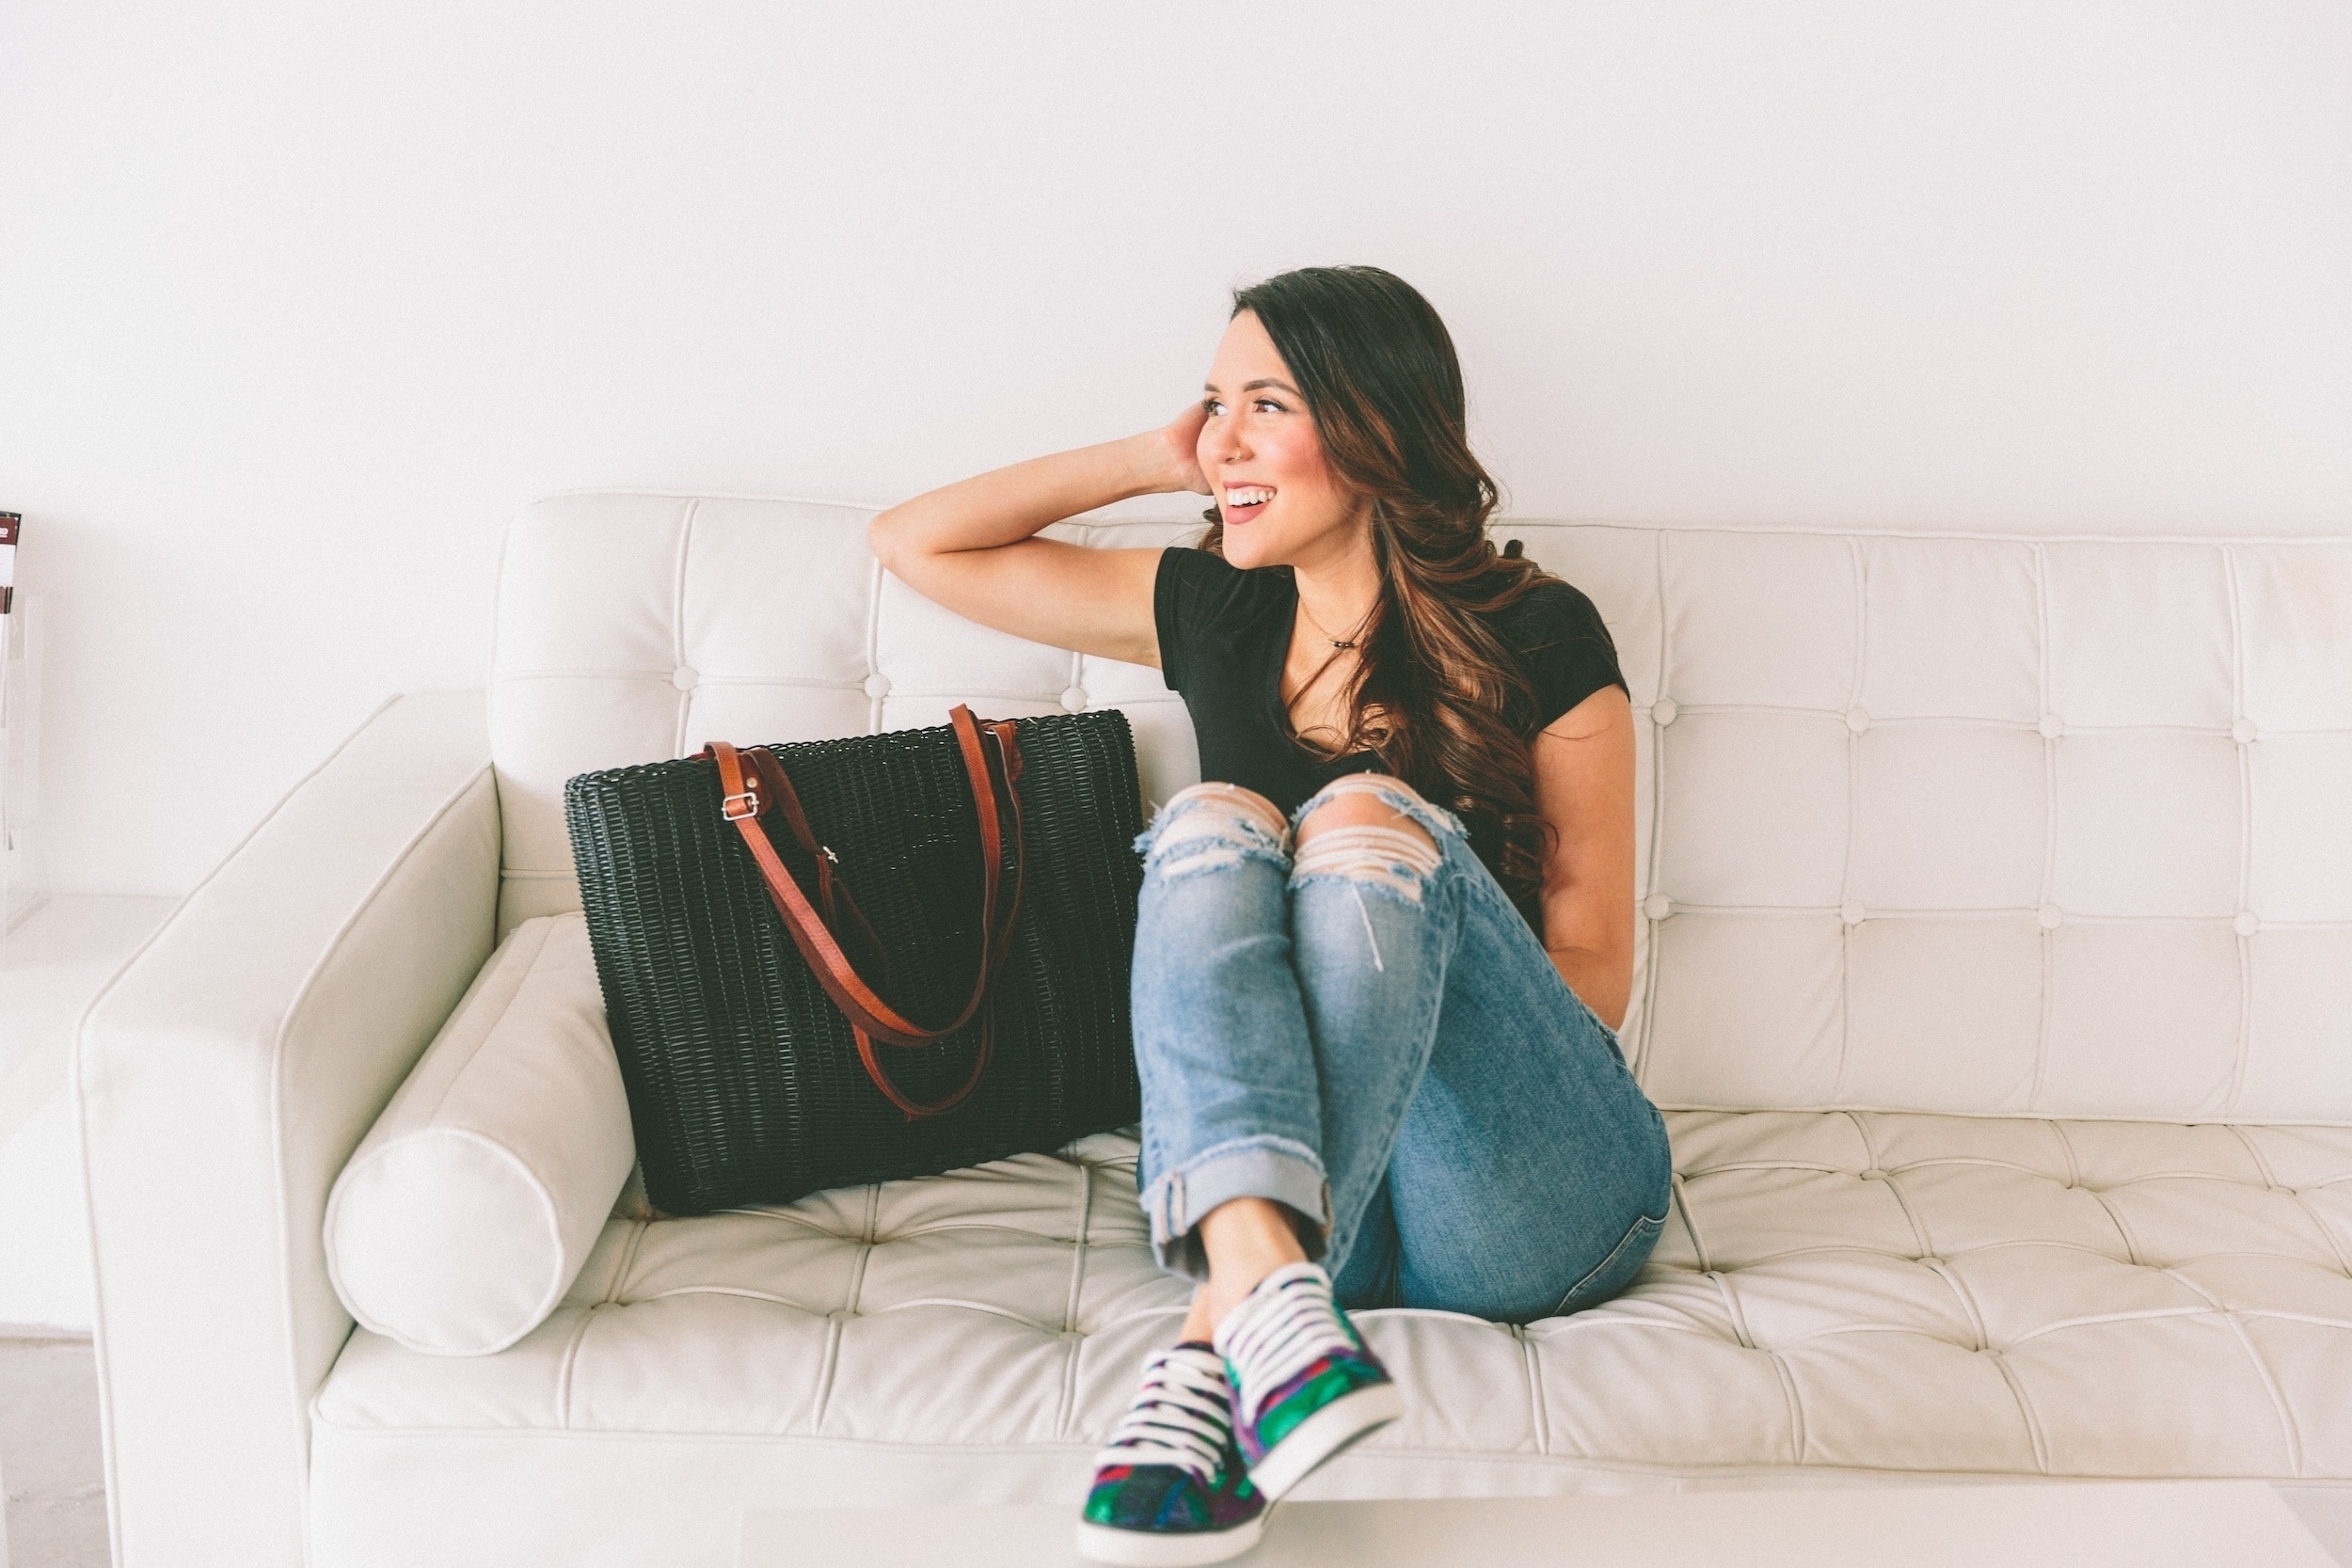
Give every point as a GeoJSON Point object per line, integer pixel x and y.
{"type": "Point", "coordinates": [1436, 695]}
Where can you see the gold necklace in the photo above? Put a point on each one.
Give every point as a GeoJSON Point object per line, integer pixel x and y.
{"type": "Point", "coordinates": [1336, 642]}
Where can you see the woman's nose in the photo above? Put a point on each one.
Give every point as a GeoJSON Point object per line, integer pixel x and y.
{"type": "Point", "coordinates": [1221, 441]}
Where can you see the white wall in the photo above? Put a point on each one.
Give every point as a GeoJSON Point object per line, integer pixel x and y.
{"type": "Point", "coordinates": [300, 301]}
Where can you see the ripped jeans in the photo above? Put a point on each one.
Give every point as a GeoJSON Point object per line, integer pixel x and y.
{"type": "Point", "coordinates": [1370, 1035]}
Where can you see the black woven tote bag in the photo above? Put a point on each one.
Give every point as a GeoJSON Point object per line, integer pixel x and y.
{"type": "Point", "coordinates": [747, 1081]}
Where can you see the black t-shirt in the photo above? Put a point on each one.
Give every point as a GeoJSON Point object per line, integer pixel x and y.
{"type": "Point", "coordinates": [1225, 633]}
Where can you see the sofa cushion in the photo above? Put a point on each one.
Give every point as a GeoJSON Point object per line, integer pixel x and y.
{"type": "Point", "coordinates": [470, 1205]}
{"type": "Point", "coordinates": [1837, 1295]}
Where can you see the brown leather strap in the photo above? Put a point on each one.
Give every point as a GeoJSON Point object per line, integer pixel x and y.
{"type": "Point", "coordinates": [748, 795]}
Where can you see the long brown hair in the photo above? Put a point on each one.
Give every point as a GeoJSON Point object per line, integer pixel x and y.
{"type": "Point", "coordinates": [1436, 695]}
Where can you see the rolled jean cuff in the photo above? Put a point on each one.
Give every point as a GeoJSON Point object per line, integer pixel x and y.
{"type": "Point", "coordinates": [1276, 1169]}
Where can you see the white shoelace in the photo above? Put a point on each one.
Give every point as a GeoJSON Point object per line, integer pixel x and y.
{"type": "Point", "coordinates": [1282, 1328]}
{"type": "Point", "coordinates": [1183, 1417]}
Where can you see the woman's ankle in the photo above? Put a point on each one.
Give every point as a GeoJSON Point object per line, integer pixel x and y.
{"type": "Point", "coordinates": [1246, 1240]}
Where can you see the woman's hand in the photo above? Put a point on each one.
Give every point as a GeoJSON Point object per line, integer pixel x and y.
{"type": "Point", "coordinates": [1180, 439]}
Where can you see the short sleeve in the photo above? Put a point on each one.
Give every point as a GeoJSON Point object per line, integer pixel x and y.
{"type": "Point", "coordinates": [1564, 647]}
{"type": "Point", "coordinates": [1197, 594]}
{"type": "Point", "coordinates": [1172, 607]}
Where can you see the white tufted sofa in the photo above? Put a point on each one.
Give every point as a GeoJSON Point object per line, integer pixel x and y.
{"type": "Point", "coordinates": [1996, 966]}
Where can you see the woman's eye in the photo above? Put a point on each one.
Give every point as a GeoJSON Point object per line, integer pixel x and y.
{"type": "Point", "coordinates": [1211, 407]}
{"type": "Point", "coordinates": [1269, 402]}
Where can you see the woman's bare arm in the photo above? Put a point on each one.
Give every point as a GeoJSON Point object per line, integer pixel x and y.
{"type": "Point", "coordinates": [968, 545]}
{"type": "Point", "coordinates": [1584, 789]}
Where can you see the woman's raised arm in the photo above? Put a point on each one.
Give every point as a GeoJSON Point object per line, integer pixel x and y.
{"type": "Point", "coordinates": [968, 545]}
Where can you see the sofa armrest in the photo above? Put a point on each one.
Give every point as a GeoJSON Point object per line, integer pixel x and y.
{"type": "Point", "coordinates": [222, 1079]}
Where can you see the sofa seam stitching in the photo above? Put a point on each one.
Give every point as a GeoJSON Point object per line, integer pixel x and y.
{"type": "Point", "coordinates": [1068, 1399]}
{"type": "Point", "coordinates": [564, 1372]}
{"type": "Point", "coordinates": [1737, 1315]}
{"type": "Point", "coordinates": [1799, 1438]}
{"type": "Point", "coordinates": [2289, 1431]}
{"type": "Point", "coordinates": [2243, 1054]}
{"type": "Point", "coordinates": [678, 623]}
{"type": "Point", "coordinates": [1689, 1226]}
{"type": "Point", "coordinates": [2270, 1178]}
{"type": "Point", "coordinates": [1644, 1054]}
{"type": "Point", "coordinates": [2045, 889]}
{"type": "Point", "coordinates": [1860, 566]}
{"type": "Point", "coordinates": [2025, 1412]}
{"type": "Point", "coordinates": [1977, 1323]}
{"type": "Point", "coordinates": [873, 643]}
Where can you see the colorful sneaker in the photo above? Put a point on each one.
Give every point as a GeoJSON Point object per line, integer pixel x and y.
{"type": "Point", "coordinates": [1304, 1385]}
{"type": "Point", "coordinates": [1170, 1490]}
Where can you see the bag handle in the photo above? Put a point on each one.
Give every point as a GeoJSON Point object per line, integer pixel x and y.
{"type": "Point", "coordinates": [749, 795]}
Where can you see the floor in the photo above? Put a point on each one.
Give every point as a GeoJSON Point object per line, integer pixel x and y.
{"type": "Point", "coordinates": [49, 1456]}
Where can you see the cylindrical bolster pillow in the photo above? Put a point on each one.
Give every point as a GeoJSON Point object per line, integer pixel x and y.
{"type": "Point", "coordinates": [470, 1205]}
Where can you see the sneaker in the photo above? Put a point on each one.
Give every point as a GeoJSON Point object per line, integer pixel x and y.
{"type": "Point", "coordinates": [1304, 1385]}
{"type": "Point", "coordinates": [1170, 1489]}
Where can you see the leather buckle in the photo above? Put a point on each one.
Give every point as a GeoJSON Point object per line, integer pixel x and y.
{"type": "Point", "coordinates": [748, 801]}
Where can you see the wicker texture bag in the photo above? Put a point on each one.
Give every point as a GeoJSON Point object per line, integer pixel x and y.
{"type": "Point", "coordinates": [855, 961]}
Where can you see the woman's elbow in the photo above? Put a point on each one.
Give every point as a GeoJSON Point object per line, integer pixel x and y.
{"type": "Point", "coordinates": [884, 536]}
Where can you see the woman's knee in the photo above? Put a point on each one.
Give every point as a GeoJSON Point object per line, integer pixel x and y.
{"type": "Point", "coordinates": [1369, 827]}
{"type": "Point", "coordinates": [1211, 826]}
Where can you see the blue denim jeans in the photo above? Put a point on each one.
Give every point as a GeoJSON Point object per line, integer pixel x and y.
{"type": "Point", "coordinates": [1374, 1037]}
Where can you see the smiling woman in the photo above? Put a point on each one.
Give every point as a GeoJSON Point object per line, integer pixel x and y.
{"type": "Point", "coordinates": [1382, 949]}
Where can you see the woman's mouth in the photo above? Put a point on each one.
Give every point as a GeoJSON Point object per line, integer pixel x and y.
{"type": "Point", "coordinates": [1245, 502]}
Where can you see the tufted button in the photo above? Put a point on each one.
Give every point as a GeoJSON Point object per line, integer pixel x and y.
{"type": "Point", "coordinates": [1873, 1174]}
{"type": "Point", "coordinates": [2242, 730]}
{"type": "Point", "coordinates": [2052, 727]}
{"type": "Point", "coordinates": [1663, 710]}
{"type": "Point", "coordinates": [2050, 916]}
{"type": "Point", "coordinates": [2246, 923]}
{"type": "Point", "coordinates": [684, 678]}
{"type": "Point", "coordinates": [1074, 699]}
{"type": "Point", "coordinates": [1658, 905]}
{"type": "Point", "coordinates": [1928, 1260]}
{"type": "Point", "coordinates": [877, 686]}
{"type": "Point", "coordinates": [1857, 720]}
{"type": "Point", "coordinates": [1853, 914]}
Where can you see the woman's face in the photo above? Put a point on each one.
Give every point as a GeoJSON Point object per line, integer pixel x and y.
{"type": "Point", "coordinates": [1283, 504]}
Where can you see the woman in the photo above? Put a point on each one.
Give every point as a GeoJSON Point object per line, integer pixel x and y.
{"type": "Point", "coordinates": [1382, 952]}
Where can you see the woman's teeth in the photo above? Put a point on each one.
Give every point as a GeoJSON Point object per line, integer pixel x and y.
{"type": "Point", "coordinates": [1249, 496]}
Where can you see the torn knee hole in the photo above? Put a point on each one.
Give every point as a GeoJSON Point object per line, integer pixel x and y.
{"type": "Point", "coordinates": [1213, 825]}
{"type": "Point", "coordinates": [1347, 806]}
{"type": "Point", "coordinates": [1225, 800]}
{"type": "Point", "coordinates": [1391, 855]}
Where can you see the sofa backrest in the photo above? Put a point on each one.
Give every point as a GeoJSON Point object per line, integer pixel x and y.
{"type": "Point", "coordinates": [1971, 824]}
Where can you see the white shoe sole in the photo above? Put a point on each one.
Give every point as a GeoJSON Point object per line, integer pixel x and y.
{"type": "Point", "coordinates": [1136, 1548]}
{"type": "Point", "coordinates": [1324, 1433]}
